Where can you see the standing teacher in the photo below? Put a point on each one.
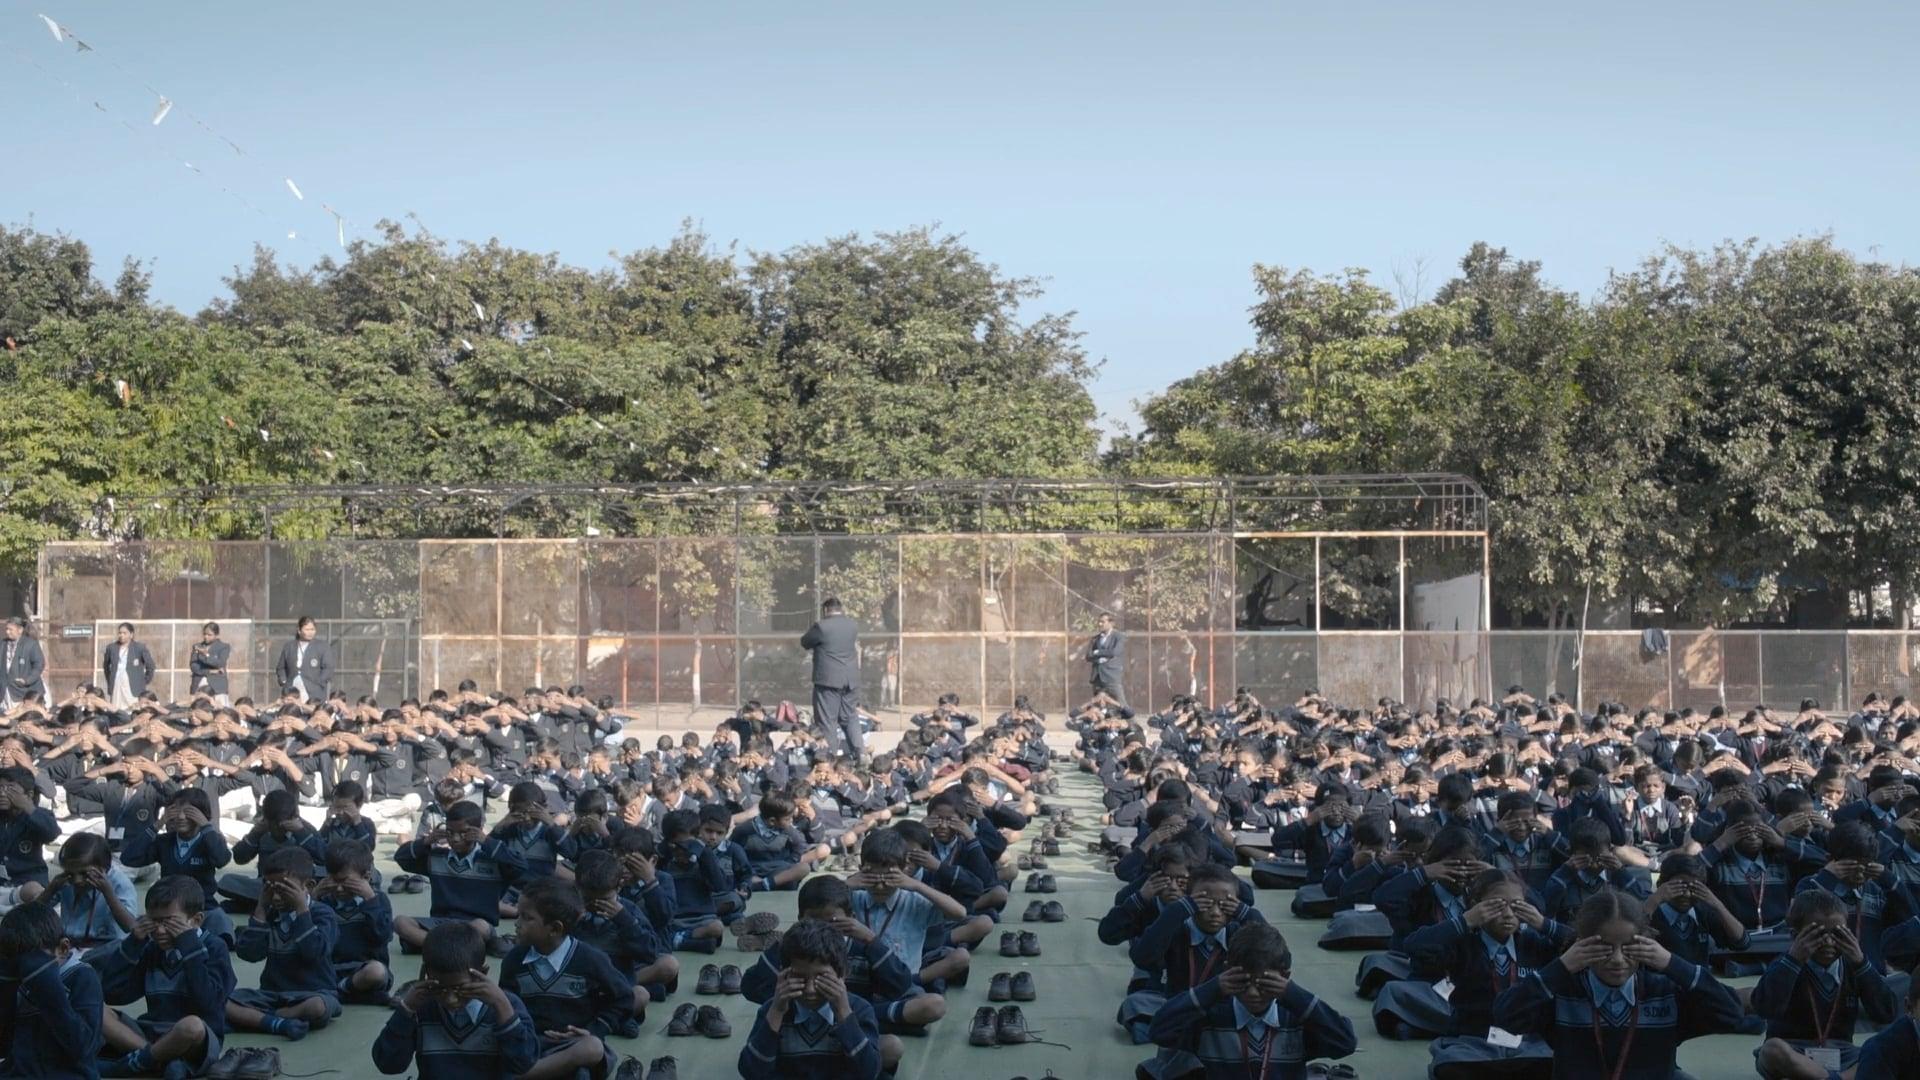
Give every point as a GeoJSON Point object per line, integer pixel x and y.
{"type": "Point", "coordinates": [1106, 655]}
{"type": "Point", "coordinates": [306, 665]}
{"type": "Point", "coordinates": [835, 642]}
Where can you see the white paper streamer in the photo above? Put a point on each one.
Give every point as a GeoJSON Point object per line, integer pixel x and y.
{"type": "Point", "coordinates": [160, 112]}
{"type": "Point", "coordinates": [53, 28]}
{"type": "Point", "coordinates": [291, 186]}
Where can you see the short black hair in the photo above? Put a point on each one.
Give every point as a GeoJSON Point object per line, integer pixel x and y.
{"type": "Point", "coordinates": [526, 792]}
{"type": "Point", "coordinates": [349, 855]}
{"type": "Point", "coordinates": [1814, 904]}
{"type": "Point", "coordinates": [597, 871]}
{"type": "Point", "coordinates": [884, 847]}
{"type": "Point", "coordinates": [1257, 948]}
{"type": "Point", "coordinates": [592, 801]}
{"type": "Point", "coordinates": [554, 901]}
{"type": "Point", "coordinates": [350, 789]}
{"type": "Point", "coordinates": [825, 892]}
{"type": "Point", "coordinates": [453, 948]}
{"type": "Point", "coordinates": [811, 939]}
{"type": "Point", "coordinates": [292, 859]}
{"type": "Point", "coordinates": [715, 814]}
{"type": "Point", "coordinates": [179, 891]}
{"type": "Point", "coordinates": [194, 797]}
{"type": "Point", "coordinates": [279, 805]}
{"type": "Point", "coordinates": [679, 824]}
{"type": "Point", "coordinates": [1852, 840]}
{"type": "Point", "coordinates": [1681, 864]}
{"type": "Point", "coordinates": [30, 928]}
{"type": "Point", "coordinates": [1211, 874]}
{"type": "Point", "coordinates": [1589, 836]}
{"type": "Point", "coordinates": [14, 774]}
{"type": "Point", "coordinates": [90, 849]}
{"type": "Point", "coordinates": [915, 833]}
{"type": "Point", "coordinates": [465, 812]}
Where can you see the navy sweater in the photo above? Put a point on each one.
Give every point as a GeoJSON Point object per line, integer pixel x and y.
{"type": "Point", "coordinates": [50, 1018]}
{"type": "Point", "coordinates": [366, 928]}
{"type": "Point", "coordinates": [194, 978]}
{"type": "Point", "coordinates": [1203, 1023]}
{"type": "Point", "coordinates": [1892, 1054]}
{"type": "Point", "coordinates": [445, 1046]}
{"type": "Point", "coordinates": [1694, 936]}
{"type": "Point", "coordinates": [848, 1050]}
{"type": "Point", "coordinates": [1166, 949]}
{"type": "Point", "coordinates": [1866, 911]}
{"type": "Point", "coordinates": [471, 891]}
{"type": "Point", "coordinates": [206, 852]}
{"type": "Point", "coordinates": [1450, 949]}
{"type": "Point", "coordinates": [1797, 1006]}
{"type": "Point", "coordinates": [587, 992]}
{"type": "Point", "coordinates": [297, 948]}
{"type": "Point", "coordinates": [1682, 1003]}
{"type": "Point", "coordinates": [22, 836]}
{"type": "Point", "coordinates": [627, 939]}
{"type": "Point", "coordinates": [537, 844]}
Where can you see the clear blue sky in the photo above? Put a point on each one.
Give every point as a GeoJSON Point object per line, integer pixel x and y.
{"type": "Point", "coordinates": [1139, 156]}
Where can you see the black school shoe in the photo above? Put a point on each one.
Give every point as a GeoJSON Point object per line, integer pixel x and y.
{"type": "Point", "coordinates": [1001, 989]}
{"type": "Point", "coordinates": [1029, 943]}
{"type": "Point", "coordinates": [712, 1023]}
{"type": "Point", "coordinates": [1032, 914]}
{"type": "Point", "coordinates": [985, 1030]}
{"type": "Point", "coordinates": [1010, 943]}
{"type": "Point", "coordinates": [709, 980]}
{"type": "Point", "coordinates": [1046, 884]}
{"type": "Point", "coordinates": [1022, 988]}
{"type": "Point", "coordinates": [683, 1017]}
{"type": "Point", "coordinates": [663, 1068]}
{"type": "Point", "coordinates": [1052, 911]}
{"type": "Point", "coordinates": [730, 979]}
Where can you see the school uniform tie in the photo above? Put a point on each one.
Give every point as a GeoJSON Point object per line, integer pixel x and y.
{"type": "Point", "coordinates": [542, 969]}
{"type": "Point", "coordinates": [1615, 1008]}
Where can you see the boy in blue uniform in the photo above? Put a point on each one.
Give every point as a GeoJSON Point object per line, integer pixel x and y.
{"type": "Point", "coordinates": [529, 832]}
{"type": "Point", "coordinates": [187, 840]}
{"type": "Point", "coordinates": [468, 876]}
{"type": "Point", "coordinates": [1812, 996]}
{"type": "Point", "coordinates": [294, 937]}
{"type": "Point", "coordinates": [813, 1027]}
{"type": "Point", "coordinates": [899, 909]}
{"type": "Point", "coordinates": [50, 1001]}
{"type": "Point", "coordinates": [185, 976]}
{"type": "Point", "coordinates": [26, 827]}
{"type": "Point", "coordinates": [454, 1023]}
{"type": "Point", "coordinates": [616, 926]}
{"type": "Point", "coordinates": [361, 971]}
{"type": "Point", "coordinates": [572, 991]}
{"type": "Point", "coordinates": [1252, 1019]}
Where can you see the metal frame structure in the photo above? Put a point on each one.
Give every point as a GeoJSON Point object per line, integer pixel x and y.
{"type": "Point", "coordinates": [1393, 502]}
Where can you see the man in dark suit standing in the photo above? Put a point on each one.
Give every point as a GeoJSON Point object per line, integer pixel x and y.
{"type": "Point", "coordinates": [208, 664]}
{"type": "Point", "coordinates": [835, 641]}
{"type": "Point", "coordinates": [127, 666]}
{"type": "Point", "coordinates": [21, 663]}
{"type": "Point", "coordinates": [306, 665]}
{"type": "Point", "coordinates": [1106, 653]}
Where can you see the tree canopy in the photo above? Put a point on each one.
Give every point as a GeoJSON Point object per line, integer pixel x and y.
{"type": "Point", "coordinates": [1714, 431]}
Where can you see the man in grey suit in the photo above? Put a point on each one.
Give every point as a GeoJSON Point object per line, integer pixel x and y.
{"type": "Point", "coordinates": [1107, 654]}
{"type": "Point", "coordinates": [127, 666]}
{"type": "Point", "coordinates": [21, 663]}
{"type": "Point", "coordinates": [835, 642]}
{"type": "Point", "coordinates": [306, 665]}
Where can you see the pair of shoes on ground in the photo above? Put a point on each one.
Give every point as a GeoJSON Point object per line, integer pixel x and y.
{"type": "Point", "coordinates": [1023, 943]}
{"type": "Point", "coordinates": [1042, 883]}
{"type": "Point", "coordinates": [660, 1068]}
{"type": "Point", "coordinates": [405, 883]}
{"type": "Point", "coordinates": [1005, 1027]}
{"type": "Point", "coordinates": [1017, 986]}
{"type": "Point", "coordinates": [715, 979]}
{"type": "Point", "coordinates": [1044, 911]}
{"type": "Point", "coordinates": [246, 1063]}
{"type": "Point", "coordinates": [757, 932]}
{"type": "Point", "coordinates": [690, 1019]}
{"type": "Point", "coordinates": [1033, 862]}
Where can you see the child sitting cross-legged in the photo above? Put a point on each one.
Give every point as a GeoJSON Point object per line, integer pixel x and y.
{"type": "Point", "coordinates": [813, 1027]}
{"type": "Point", "coordinates": [1812, 996]}
{"type": "Point", "coordinates": [468, 875]}
{"type": "Point", "coordinates": [295, 938]}
{"type": "Point", "coordinates": [1252, 1016]}
{"type": "Point", "coordinates": [616, 926]}
{"type": "Point", "coordinates": [185, 976]}
{"type": "Point", "coordinates": [360, 957]}
{"type": "Point", "coordinates": [50, 1002]}
{"type": "Point", "coordinates": [454, 1023]}
{"type": "Point", "coordinates": [573, 992]}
